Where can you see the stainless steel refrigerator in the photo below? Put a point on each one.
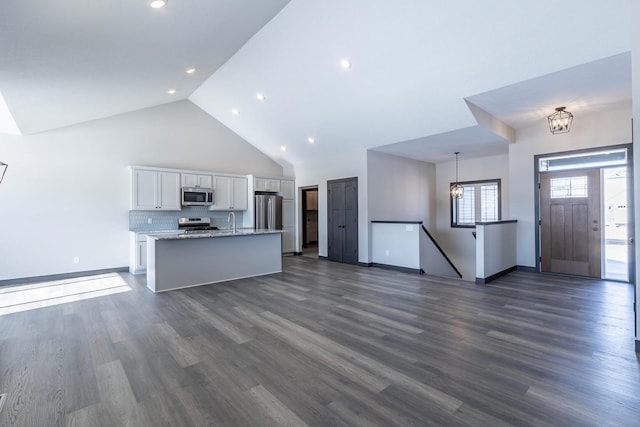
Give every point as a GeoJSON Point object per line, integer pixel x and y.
{"type": "Point", "coordinates": [268, 211]}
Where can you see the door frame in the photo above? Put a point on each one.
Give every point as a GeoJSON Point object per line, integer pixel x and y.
{"type": "Point", "coordinates": [630, 204]}
{"type": "Point", "coordinates": [303, 198]}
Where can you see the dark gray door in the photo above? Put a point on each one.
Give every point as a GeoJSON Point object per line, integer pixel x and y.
{"type": "Point", "coordinates": [342, 201]}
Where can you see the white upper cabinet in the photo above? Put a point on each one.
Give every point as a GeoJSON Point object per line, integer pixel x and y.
{"type": "Point", "coordinates": [155, 190]}
{"type": "Point", "coordinates": [240, 194]}
{"type": "Point", "coordinates": [267, 184]}
{"type": "Point", "coordinates": [230, 194]}
{"type": "Point", "coordinates": [197, 180]}
{"type": "Point", "coordinates": [288, 189]}
{"type": "Point", "coordinates": [288, 226]}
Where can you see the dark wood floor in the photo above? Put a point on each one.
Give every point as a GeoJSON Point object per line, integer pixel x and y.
{"type": "Point", "coordinates": [331, 345]}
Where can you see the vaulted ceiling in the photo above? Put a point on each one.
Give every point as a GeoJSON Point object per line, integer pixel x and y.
{"type": "Point", "coordinates": [422, 74]}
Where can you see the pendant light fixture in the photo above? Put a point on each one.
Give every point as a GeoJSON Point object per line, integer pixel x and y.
{"type": "Point", "coordinates": [456, 189]}
{"type": "Point", "coordinates": [3, 169]}
{"type": "Point", "coordinates": [560, 121]}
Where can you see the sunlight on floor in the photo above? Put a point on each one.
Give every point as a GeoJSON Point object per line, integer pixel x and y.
{"type": "Point", "coordinates": [18, 298]}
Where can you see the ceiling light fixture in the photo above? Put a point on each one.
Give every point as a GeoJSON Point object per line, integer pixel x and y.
{"type": "Point", "coordinates": [157, 4]}
{"type": "Point", "coordinates": [190, 71]}
{"type": "Point", "coordinates": [171, 91]}
{"type": "Point", "coordinates": [345, 63]}
{"type": "Point", "coordinates": [283, 148]}
{"type": "Point", "coordinates": [260, 96]}
{"type": "Point", "coordinates": [311, 140]}
{"type": "Point", "coordinates": [3, 169]}
{"type": "Point", "coordinates": [560, 121]}
{"type": "Point", "coordinates": [235, 111]}
{"type": "Point", "coordinates": [456, 189]}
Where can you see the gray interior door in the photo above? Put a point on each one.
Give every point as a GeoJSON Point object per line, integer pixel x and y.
{"type": "Point", "coordinates": [342, 232]}
{"type": "Point", "coordinates": [570, 226]}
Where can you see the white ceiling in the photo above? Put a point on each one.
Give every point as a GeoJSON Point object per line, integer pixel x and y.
{"type": "Point", "coordinates": [415, 63]}
{"type": "Point", "coordinates": [67, 61]}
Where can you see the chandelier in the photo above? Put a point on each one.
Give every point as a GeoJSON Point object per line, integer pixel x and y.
{"type": "Point", "coordinates": [456, 189]}
{"type": "Point", "coordinates": [560, 121]}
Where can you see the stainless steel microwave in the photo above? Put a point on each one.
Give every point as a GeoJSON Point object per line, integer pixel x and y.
{"type": "Point", "coordinates": [197, 196]}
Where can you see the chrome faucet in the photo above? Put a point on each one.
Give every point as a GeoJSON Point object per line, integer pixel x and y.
{"type": "Point", "coordinates": [232, 215]}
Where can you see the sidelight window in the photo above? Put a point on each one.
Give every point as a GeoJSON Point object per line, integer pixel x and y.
{"type": "Point", "coordinates": [480, 201]}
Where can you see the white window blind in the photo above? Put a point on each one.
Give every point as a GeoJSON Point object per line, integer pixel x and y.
{"type": "Point", "coordinates": [466, 206]}
{"type": "Point", "coordinates": [570, 187]}
{"type": "Point", "coordinates": [480, 201]}
{"type": "Point", "coordinates": [489, 203]}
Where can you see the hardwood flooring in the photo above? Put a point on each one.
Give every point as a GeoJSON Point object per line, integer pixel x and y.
{"type": "Point", "coordinates": [323, 344]}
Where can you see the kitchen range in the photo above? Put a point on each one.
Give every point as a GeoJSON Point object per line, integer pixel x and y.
{"type": "Point", "coordinates": [195, 225]}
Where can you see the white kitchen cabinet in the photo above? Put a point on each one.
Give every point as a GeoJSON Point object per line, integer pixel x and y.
{"type": "Point", "coordinates": [197, 180]}
{"type": "Point", "coordinates": [230, 193]}
{"type": "Point", "coordinates": [267, 184]}
{"type": "Point", "coordinates": [138, 253]}
{"type": "Point", "coordinates": [155, 190]}
{"type": "Point", "coordinates": [288, 189]}
{"type": "Point", "coordinates": [288, 226]}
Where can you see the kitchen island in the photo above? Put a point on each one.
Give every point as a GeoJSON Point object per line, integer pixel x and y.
{"type": "Point", "coordinates": [178, 260]}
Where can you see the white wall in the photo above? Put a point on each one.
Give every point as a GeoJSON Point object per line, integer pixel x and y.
{"type": "Point", "coordinates": [396, 244]}
{"type": "Point", "coordinates": [495, 248]}
{"type": "Point", "coordinates": [343, 165]}
{"type": "Point", "coordinates": [66, 192]}
{"type": "Point", "coordinates": [610, 127]}
{"type": "Point", "coordinates": [400, 189]}
{"type": "Point", "coordinates": [458, 243]}
{"type": "Point", "coordinates": [635, 66]}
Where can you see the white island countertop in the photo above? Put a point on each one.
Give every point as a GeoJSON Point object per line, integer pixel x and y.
{"type": "Point", "coordinates": [178, 234]}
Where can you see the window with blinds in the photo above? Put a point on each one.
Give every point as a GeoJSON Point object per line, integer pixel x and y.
{"type": "Point", "coordinates": [480, 201]}
{"type": "Point", "coordinates": [570, 187]}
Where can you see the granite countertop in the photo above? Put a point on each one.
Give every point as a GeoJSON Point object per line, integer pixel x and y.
{"type": "Point", "coordinates": [179, 235]}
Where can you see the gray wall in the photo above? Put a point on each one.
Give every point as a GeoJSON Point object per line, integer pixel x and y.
{"type": "Point", "coordinates": [66, 192]}
{"type": "Point", "coordinates": [400, 189]}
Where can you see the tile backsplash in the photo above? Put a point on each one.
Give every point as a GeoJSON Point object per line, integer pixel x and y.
{"type": "Point", "coordinates": [168, 220]}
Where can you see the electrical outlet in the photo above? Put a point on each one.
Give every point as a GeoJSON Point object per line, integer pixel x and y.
{"type": "Point", "coordinates": [76, 259]}
{"type": "Point", "coordinates": [149, 220]}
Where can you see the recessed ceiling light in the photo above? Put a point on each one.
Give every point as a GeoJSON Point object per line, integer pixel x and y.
{"type": "Point", "coordinates": [260, 96]}
{"type": "Point", "coordinates": [345, 63]}
{"type": "Point", "coordinates": [190, 71]}
{"type": "Point", "coordinates": [171, 91]}
{"type": "Point", "coordinates": [311, 140]}
{"type": "Point", "coordinates": [157, 4]}
{"type": "Point", "coordinates": [235, 111]}
{"type": "Point", "coordinates": [283, 148]}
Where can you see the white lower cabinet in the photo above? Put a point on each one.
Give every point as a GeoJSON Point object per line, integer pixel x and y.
{"type": "Point", "coordinates": [138, 253]}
